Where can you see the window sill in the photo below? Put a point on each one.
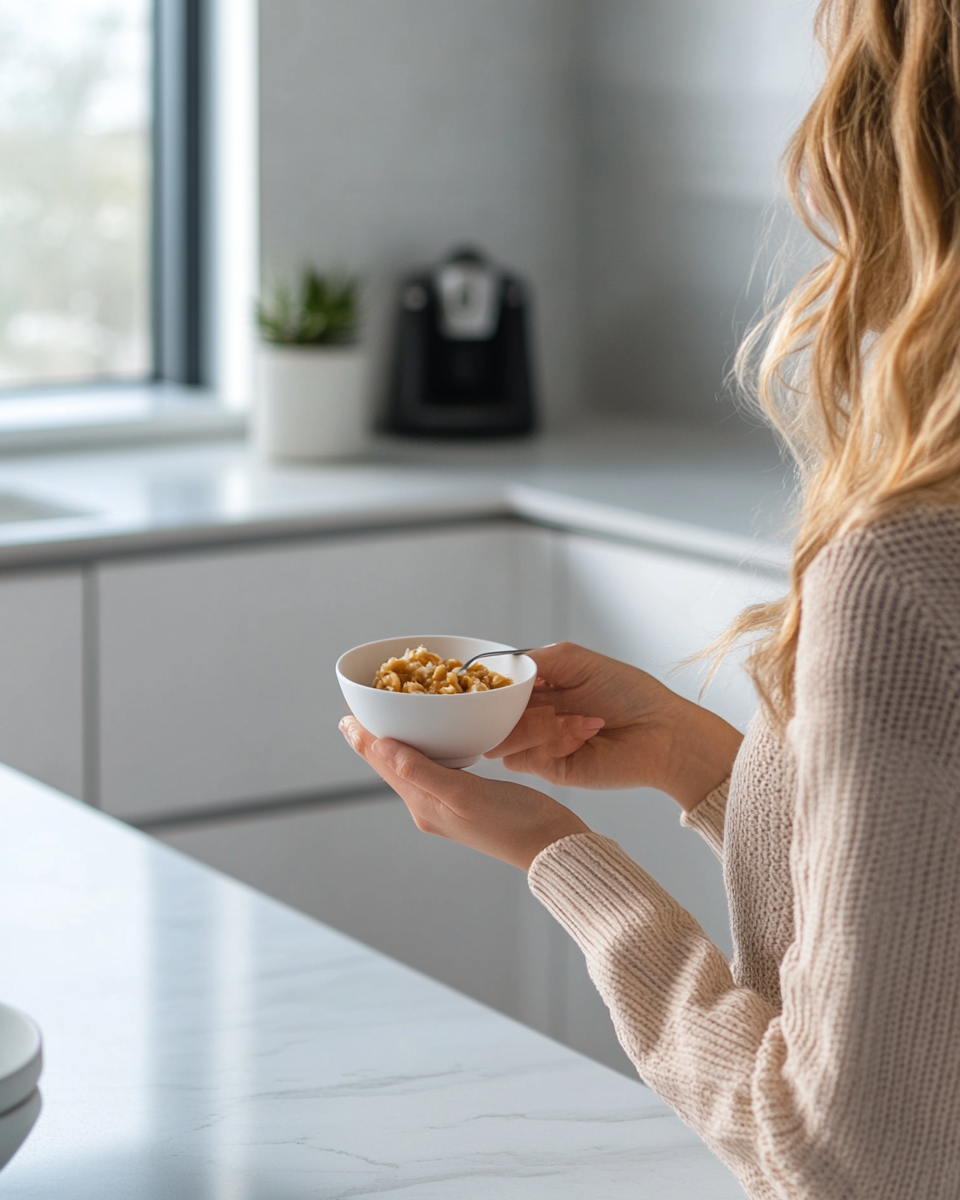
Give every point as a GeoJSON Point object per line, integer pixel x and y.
{"type": "Point", "coordinates": [65, 419]}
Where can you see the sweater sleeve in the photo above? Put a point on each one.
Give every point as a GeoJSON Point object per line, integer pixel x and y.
{"type": "Point", "coordinates": [852, 1090]}
{"type": "Point", "coordinates": [709, 816]}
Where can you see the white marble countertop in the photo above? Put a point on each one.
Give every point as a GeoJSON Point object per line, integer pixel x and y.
{"type": "Point", "coordinates": [205, 1043]}
{"type": "Point", "coordinates": [719, 492]}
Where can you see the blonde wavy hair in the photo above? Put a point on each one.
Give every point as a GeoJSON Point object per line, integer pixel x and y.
{"type": "Point", "coordinates": [859, 367]}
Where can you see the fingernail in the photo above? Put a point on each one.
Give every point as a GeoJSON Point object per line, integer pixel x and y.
{"type": "Point", "coordinates": [593, 722]}
{"type": "Point", "coordinates": [348, 731]}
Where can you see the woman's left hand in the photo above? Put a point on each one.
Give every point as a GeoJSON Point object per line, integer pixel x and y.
{"type": "Point", "coordinates": [505, 820]}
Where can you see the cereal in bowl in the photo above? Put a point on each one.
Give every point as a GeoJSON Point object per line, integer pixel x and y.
{"type": "Point", "coordinates": [422, 671]}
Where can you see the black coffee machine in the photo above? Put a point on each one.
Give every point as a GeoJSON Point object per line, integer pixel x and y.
{"type": "Point", "coordinates": [462, 360]}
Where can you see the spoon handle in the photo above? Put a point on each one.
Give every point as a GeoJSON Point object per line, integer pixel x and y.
{"type": "Point", "coordinates": [489, 653]}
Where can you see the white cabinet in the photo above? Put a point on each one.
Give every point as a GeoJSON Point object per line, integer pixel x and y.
{"type": "Point", "coordinates": [653, 609]}
{"type": "Point", "coordinates": [217, 669]}
{"type": "Point", "coordinates": [360, 865]}
{"type": "Point", "coordinates": [41, 677]}
{"type": "Point", "coordinates": [197, 682]}
{"type": "Point", "coordinates": [216, 687]}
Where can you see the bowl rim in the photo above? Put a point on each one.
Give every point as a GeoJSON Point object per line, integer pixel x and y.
{"type": "Point", "coordinates": [423, 639]}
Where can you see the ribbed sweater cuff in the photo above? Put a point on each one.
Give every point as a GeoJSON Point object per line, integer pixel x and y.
{"type": "Point", "coordinates": [709, 816]}
{"type": "Point", "coordinates": [594, 888]}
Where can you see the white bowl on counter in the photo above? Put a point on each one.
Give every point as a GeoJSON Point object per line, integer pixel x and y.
{"type": "Point", "coordinates": [21, 1057]}
{"type": "Point", "coordinates": [452, 730]}
{"type": "Point", "coordinates": [16, 1124]}
{"type": "Point", "coordinates": [21, 1061]}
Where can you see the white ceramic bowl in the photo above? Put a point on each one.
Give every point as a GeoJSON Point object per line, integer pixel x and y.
{"type": "Point", "coordinates": [21, 1057]}
{"type": "Point", "coordinates": [16, 1124]}
{"type": "Point", "coordinates": [21, 1060]}
{"type": "Point", "coordinates": [452, 730]}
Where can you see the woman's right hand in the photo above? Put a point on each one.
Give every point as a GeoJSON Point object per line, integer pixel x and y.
{"type": "Point", "coordinates": [594, 722]}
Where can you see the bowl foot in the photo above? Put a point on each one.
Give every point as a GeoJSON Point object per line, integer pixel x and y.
{"type": "Point", "coordinates": [16, 1124]}
{"type": "Point", "coordinates": [456, 763]}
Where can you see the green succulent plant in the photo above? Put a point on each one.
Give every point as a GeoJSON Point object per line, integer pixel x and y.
{"type": "Point", "coordinates": [323, 311]}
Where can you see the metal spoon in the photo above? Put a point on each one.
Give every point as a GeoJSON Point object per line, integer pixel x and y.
{"type": "Point", "coordinates": [489, 653]}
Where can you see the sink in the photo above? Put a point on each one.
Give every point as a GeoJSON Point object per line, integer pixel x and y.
{"type": "Point", "coordinates": [15, 506]}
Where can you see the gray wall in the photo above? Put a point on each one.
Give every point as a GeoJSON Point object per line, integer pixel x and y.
{"type": "Point", "coordinates": [392, 129]}
{"type": "Point", "coordinates": [618, 152]}
{"type": "Point", "coordinates": [688, 104]}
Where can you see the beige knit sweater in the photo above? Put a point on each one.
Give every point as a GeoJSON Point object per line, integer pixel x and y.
{"type": "Point", "coordinates": [824, 1061]}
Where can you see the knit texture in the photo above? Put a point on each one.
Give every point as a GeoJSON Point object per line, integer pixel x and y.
{"type": "Point", "coordinates": [823, 1062]}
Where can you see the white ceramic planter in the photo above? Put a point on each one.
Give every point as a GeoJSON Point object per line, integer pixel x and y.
{"type": "Point", "coordinates": [309, 401]}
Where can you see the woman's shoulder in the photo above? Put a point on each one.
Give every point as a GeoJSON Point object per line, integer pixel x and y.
{"type": "Point", "coordinates": [914, 551]}
{"type": "Point", "coordinates": [874, 581]}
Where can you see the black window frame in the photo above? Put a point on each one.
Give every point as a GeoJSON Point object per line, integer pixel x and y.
{"type": "Point", "coordinates": [179, 280]}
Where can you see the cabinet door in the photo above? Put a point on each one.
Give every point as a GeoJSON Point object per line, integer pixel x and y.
{"type": "Point", "coordinates": [653, 610]}
{"type": "Point", "coordinates": [41, 677]}
{"type": "Point", "coordinates": [217, 676]}
{"type": "Point", "coordinates": [364, 867]}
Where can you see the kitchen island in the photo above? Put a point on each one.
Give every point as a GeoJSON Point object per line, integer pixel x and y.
{"type": "Point", "coordinates": [204, 1042]}
{"type": "Point", "coordinates": [170, 617]}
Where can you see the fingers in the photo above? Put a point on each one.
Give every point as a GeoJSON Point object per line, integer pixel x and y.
{"type": "Point", "coordinates": [416, 770]}
{"type": "Point", "coordinates": [563, 665]}
{"type": "Point", "coordinates": [401, 763]}
{"type": "Point", "coordinates": [415, 778]}
{"type": "Point", "coordinates": [358, 737]}
{"type": "Point", "coordinates": [549, 732]}
{"type": "Point", "coordinates": [505, 820]}
{"type": "Point", "coordinates": [363, 743]}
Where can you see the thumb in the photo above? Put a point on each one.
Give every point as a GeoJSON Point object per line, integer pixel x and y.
{"type": "Point", "coordinates": [562, 665]}
{"type": "Point", "coordinates": [416, 769]}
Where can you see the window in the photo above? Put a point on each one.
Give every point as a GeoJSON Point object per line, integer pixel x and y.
{"type": "Point", "coordinates": [100, 191]}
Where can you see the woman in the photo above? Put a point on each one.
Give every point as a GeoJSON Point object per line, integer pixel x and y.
{"type": "Point", "coordinates": [824, 1062]}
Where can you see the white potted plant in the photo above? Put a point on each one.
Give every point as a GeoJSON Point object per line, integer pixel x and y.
{"type": "Point", "coordinates": [310, 371]}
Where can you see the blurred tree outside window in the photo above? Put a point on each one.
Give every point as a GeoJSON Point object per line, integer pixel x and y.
{"type": "Point", "coordinates": [75, 191]}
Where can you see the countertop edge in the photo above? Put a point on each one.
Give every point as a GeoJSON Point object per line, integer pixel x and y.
{"type": "Point", "coordinates": [89, 539]}
{"type": "Point", "coordinates": [543, 507]}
